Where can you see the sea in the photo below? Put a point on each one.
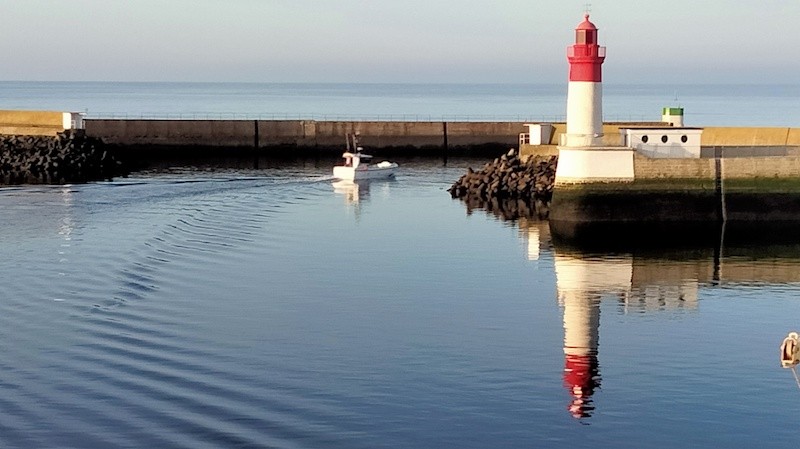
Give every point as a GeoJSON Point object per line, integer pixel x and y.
{"type": "Point", "coordinates": [198, 305]}
{"type": "Point", "coordinates": [762, 105]}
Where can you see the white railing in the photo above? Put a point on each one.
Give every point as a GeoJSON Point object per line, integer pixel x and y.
{"type": "Point", "coordinates": [322, 117]}
{"type": "Point", "coordinates": [547, 118]}
{"type": "Point", "coordinates": [522, 118]}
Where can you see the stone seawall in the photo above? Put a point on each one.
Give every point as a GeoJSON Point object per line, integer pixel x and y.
{"type": "Point", "coordinates": [683, 199]}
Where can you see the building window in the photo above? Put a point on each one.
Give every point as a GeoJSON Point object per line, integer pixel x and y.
{"type": "Point", "coordinates": [644, 139]}
{"type": "Point", "coordinates": [684, 138]}
{"type": "Point", "coordinates": [664, 138]}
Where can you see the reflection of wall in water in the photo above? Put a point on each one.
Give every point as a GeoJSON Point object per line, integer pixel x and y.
{"type": "Point", "coordinates": [583, 282]}
{"type": "Point", "coordinates": [646, 283]}
{"type": "Point", "coordinates": [38, 213]}
{"type": "Point", "coordinates": [536, 236]}
{"type": "Point", "coordinates": [779, 267]}
{"type": "Point", "coordinates": [643, 282]}
{"type": "Point", "coordinates": [666, 284]}
{"type": "Point", "coordinates": [637, 285]}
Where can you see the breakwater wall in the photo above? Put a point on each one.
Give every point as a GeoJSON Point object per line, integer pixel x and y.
{"type": "Point", "coordinates": [300, 137]}
{"type": "Point", "coordinates": [67, 157]}
{"type": "Point", "coordinates": [303, 137]}
{"type": "Point", "coordinates": [736, 191]}
{"type": "Point", "coordinates": [739, 141]}
{"type": "Point", "coordinates": [684, 199]}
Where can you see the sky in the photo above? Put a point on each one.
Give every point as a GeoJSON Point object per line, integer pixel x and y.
{"type": "Point", "coordinates": [396, 41]}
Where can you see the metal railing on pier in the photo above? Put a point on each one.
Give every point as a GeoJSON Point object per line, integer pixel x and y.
{"type": "Point", "coordinates": [519, 118]}
{"type": "Point", "coordinates": [320, 117]}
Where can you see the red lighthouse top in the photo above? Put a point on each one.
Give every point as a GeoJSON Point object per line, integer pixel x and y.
{"type": "Point", "coordinates": [586, 56]}
{"type": "Point", "coordinates": [586, 25]}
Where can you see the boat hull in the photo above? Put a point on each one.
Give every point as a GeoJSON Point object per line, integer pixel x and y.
{"type": "Point", "coordinates": [369, 172]}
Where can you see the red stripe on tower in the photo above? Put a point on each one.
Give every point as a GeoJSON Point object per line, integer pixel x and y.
{"type": "Point", "coordinates": [586, 56]}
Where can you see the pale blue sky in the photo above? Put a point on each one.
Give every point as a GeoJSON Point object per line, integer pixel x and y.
{"type": "Point", "coordinates": [395, 41]}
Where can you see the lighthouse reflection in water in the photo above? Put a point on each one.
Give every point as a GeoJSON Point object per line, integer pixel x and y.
{"type": "Point", "coordinates": [626, 283]}
{"type": "Point", "coordinates": [581, 334]}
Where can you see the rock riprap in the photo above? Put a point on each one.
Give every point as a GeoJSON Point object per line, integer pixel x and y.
{"type": "Point", "coordinates": [509, 178]}
{"type": "Point", "coordinates": [69, 157]}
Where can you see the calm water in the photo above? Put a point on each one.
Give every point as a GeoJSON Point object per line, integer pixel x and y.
{"type": "Point", "coordinates": [705, 105]}
{"type": "Point", "coordinates": [232, 307]}
{"type": "Point", "coordinates": [274, 308]}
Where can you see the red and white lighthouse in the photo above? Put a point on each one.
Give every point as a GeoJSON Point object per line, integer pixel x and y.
{"type": "Point", "coordinates": [585, 93]}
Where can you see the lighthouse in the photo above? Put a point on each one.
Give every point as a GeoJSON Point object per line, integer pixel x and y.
{"type": "Point", "coordinates": [583, 157]}
{"type": "Point", "coordinates": [585, 92]}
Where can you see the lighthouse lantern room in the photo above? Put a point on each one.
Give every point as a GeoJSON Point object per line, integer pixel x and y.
{"type": "Point", "coordinates": [585, 92]}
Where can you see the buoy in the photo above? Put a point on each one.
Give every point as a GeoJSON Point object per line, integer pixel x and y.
{"type": "Point", "coordinates": [790, 350]}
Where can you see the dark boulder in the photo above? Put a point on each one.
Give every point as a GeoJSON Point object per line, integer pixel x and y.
{"type": "Point", "coordinates": [67, 158]}
{"type": "Point", "coordinates": [525, 188]}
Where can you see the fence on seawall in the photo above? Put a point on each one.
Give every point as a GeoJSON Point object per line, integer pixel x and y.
{"type": "Point", "coordinates": [338, 117]}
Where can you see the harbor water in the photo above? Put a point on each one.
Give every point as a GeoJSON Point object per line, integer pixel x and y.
{"type": "Point", "coordinates": [208, 306]}
{"type": "Point", "coordinates": [278, 308]}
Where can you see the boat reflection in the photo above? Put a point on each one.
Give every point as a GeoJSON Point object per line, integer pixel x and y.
{"type": "Point", "coordinates": [657, 278]}
{"type": "Point", "coordinates": [356, 193]}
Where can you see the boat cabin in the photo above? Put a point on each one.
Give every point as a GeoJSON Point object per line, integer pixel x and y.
{"type": "Point", "coordinates": [355, 159]}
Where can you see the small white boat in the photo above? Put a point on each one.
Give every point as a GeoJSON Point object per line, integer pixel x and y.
{"type": "Point", "coordinates": [357, 165]}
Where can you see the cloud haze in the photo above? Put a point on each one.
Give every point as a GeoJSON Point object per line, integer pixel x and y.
{"type": "Point", "coordinates": [390, 41]}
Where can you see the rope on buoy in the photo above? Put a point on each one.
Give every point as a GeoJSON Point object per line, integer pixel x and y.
{"type": "Point", "coordinates": [796, 379]}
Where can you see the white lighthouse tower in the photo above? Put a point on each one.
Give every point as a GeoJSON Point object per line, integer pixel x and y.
{"type": "Point", "coordinates": [585, 93]}
{"type": "Point", "coordinates": [582, 155]}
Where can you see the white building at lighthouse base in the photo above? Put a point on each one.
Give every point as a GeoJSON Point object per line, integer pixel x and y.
{"type": "Point", "coordinates": [615, 163]}
{"type": "Point", "coordinates": [594, 164]}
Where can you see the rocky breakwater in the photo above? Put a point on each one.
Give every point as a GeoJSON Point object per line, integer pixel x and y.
{"type": "Point", "coordinates": [68, 157]}
{"type": "Point", "coordinates": [509, 187]}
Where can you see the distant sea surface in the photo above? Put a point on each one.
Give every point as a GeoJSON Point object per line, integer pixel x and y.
{"type": "Point", "coordinates": [705, 105]}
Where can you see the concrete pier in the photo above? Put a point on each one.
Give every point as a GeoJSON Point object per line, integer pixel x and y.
{"type": "Point", "coordinates": [302, 136]}
{"type": "Point", "coordinates": [684, 199]}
